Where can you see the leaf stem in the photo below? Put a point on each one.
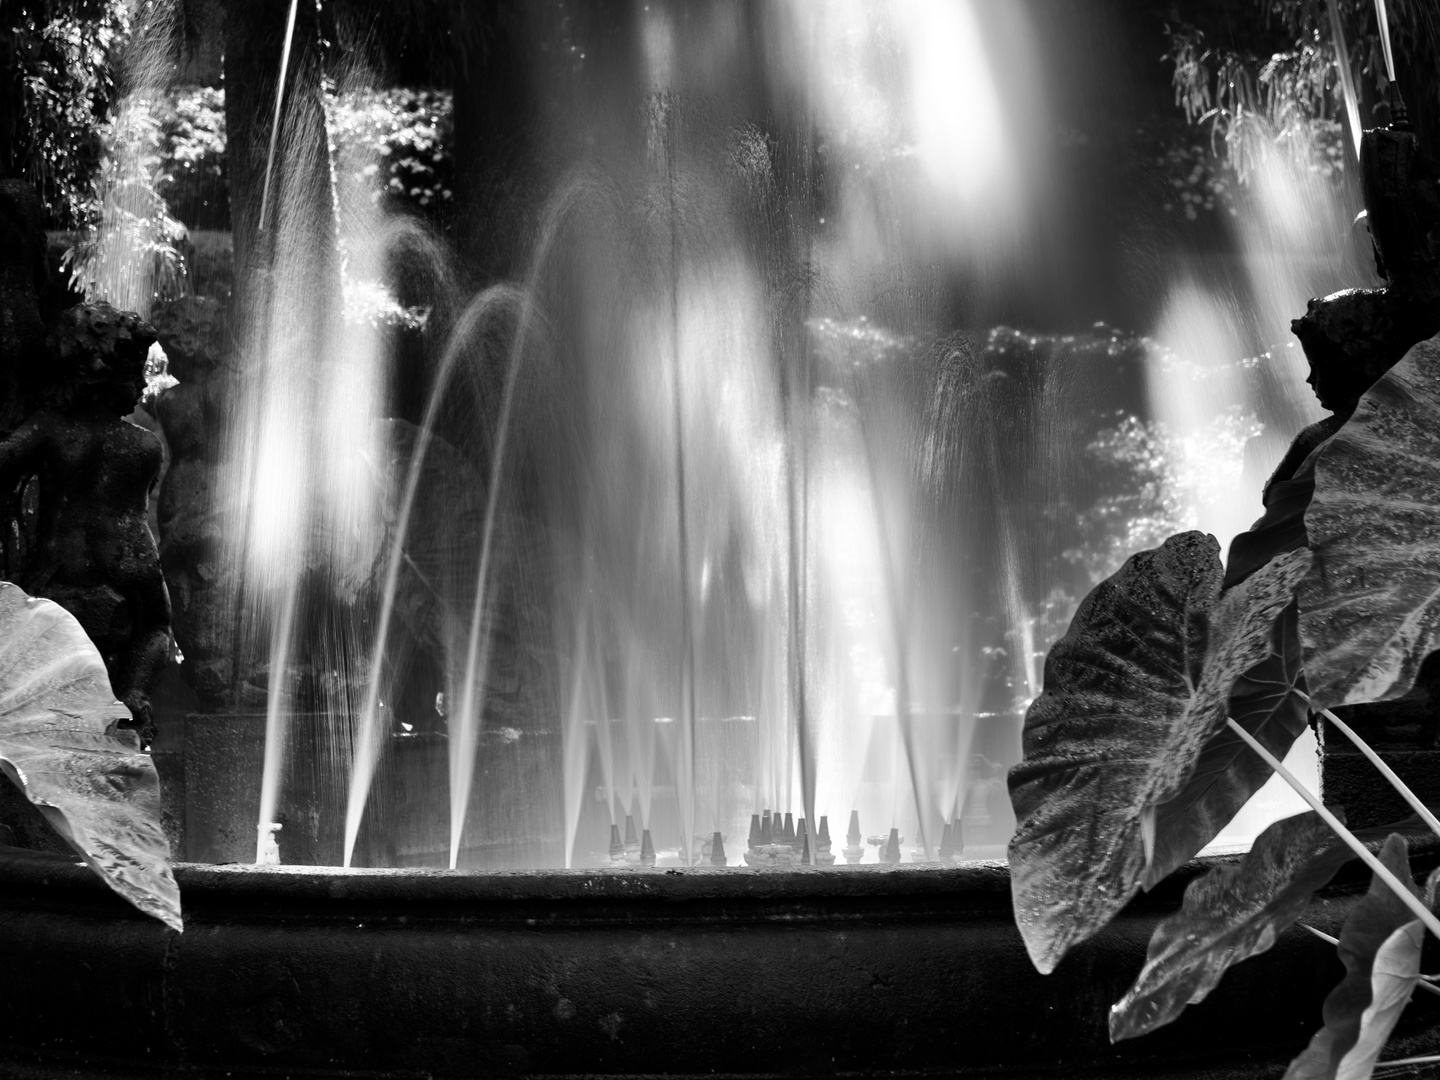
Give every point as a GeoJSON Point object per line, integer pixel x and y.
{"type": "Point", "coordinates": [1383, 872]}
{"type": "Point", "coordinates": [1428, 1059]}
{"type": "Point", "coordinates": [1320, 934]}
{"type": "Point", "coordinates": [1388, 773]}
{"type": "Point", "coordinates": [1424, 984]}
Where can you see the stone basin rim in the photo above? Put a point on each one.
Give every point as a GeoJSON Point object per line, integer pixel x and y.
{"type": "Point", "coordinates": [984, 883]}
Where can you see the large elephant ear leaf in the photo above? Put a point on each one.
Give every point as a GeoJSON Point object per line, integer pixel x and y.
{"type": "Point", "coordinates": [1231, 913]}
{"type": "Point", "coordinates": [95, 788]}
{"type": "Point", "coordinates": [1252, 675]}
{"type": "Point", "coordinates": [1370, 607]}
{"type": "Point", "coordinates": [1380, 946]}
{"type": "Point", "coordinates": [1116, 685]}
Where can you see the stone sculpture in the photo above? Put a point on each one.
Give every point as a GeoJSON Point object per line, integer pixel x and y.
{"type": "Point", "coordinates": [75, 475]}
{"type": "Point", "coordinates": [194, 334]}
{"type": "Point", "coordinates": [89, 545]}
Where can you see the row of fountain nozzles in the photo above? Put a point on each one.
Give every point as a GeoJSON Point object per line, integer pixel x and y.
{"type": "Point", "coordinates": [631, 849]}
{"type": "Point", "coordinates": [776, 841]}
{"type": "Point", "coordinates": [951, 844]}
{"type": "Point", "coordinates": [888, 847]}
{"type": "Point", "coordinates": [642, 851]}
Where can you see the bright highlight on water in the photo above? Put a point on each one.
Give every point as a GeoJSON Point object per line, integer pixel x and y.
{"type": "Point", "coordinates": [712, 513]}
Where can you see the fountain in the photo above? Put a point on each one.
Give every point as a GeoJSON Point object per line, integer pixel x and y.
{"type": "Point", "coordinates": [521, 683]}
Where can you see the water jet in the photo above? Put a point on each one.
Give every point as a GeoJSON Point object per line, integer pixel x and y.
{"type": "Point", "coordinates": [715, 519]}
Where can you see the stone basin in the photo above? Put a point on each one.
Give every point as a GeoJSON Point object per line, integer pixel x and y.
{"type": "Point", "coordinates": [311, 972]}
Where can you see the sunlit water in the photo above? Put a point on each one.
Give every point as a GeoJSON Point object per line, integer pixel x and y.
{"type": "Point", "coordinates": [715, 510]}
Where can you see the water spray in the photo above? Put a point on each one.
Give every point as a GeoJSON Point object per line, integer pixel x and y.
{"type": "Point", "coordinates": [1382, 18]}
{"type": "Point", "coordinates": [1347, 78]}
{"type": "Point", "coordinates": [279, 102]}
{"type": "Point", "coordinates": [367, 750]}
{"type": "Point", "coordinates": [276, 725]}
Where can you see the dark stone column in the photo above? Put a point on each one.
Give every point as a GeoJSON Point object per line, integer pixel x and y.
{"type": "Point", "coordinates": [1405, 733]}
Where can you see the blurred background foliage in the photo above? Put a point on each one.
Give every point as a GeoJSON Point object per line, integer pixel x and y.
{"type": "Point", "coordinates": [1237, 79]}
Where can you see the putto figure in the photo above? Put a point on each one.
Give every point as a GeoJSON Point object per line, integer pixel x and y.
{"type": "Point", "coordinates": [80, 476]}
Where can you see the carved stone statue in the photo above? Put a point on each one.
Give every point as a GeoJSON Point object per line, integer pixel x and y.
{"type": "Point", "coordinates": [194, 334]}
{"type": "Point", "coordinates": [75, 475]}
{"type": "Point", "coordinates": [93, 552]}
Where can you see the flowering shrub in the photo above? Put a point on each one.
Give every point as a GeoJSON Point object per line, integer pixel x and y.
{"type": "Point", "coordinates": [397, 140]}
{"type": "Point", "coordinates": [129, 249]}
{"type": "Point", "coordinates": [392, 144]}
{"type": "Point", "coordinates": [60, 63]}
{"type": "Point", "coordinates": [193, 150]}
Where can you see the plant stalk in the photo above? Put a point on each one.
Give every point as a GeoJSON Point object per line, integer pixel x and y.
{"type": "Point", "coordinates": [1407, 897]}
{"type": "Point", "coordinates": [1423, 983]}
{"type": "Point", "coordinates": [1428, 1059]}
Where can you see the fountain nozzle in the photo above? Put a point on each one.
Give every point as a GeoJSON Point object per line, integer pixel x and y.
{"type": "Point", "coordinates": [717, 850]}
{"type": "Point", "coordinates": [269, 850]}
{"type": "Point", "coordinates": [853, 851]}
{"type": "Point", "coordinates": [647, 849]}
{"type": "Point", "coordinates": [617, 848]}
{"type": "Point", "coordinates": [822, 855]}
{"type": "Point", "coordinates": [890, 853]}
{"type": "Point", "coordinates": [947, 842]}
